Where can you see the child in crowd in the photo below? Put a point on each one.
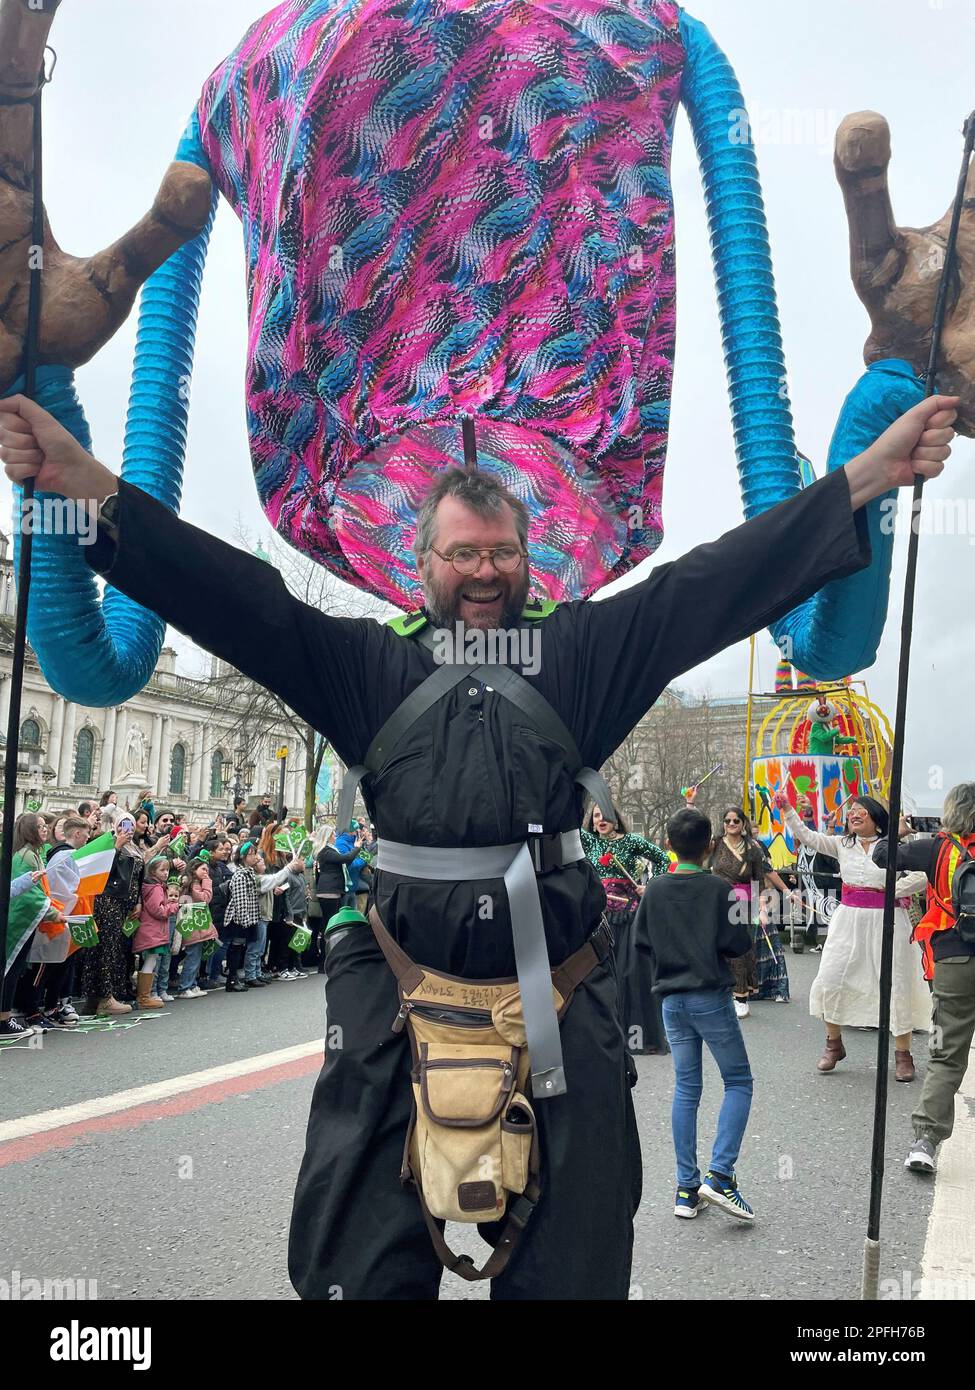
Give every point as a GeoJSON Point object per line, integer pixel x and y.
{"type": "Point", "coordinates": [163, 974]}
{"type": "Point", "coordinates": [195, 889]}
{"type": "Point", "coordinates": [268, 885]}
{"type": "Point", "coordinates": [243, 913]}
{"type": "Point", "coordinates": [243, 919]}
{"type": "Point", "coordinates": [152, 938]}
{"type": "Point", "coordinates": [695, 925]}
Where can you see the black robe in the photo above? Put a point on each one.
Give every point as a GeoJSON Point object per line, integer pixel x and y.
{"type": "Point", "coordinates": [470, 773]}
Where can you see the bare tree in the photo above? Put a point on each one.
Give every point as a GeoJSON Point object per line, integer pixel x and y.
{"type": "Point", "coordinates": [672, 747]}
{"type": "Point", "coordinates": [246, 711]}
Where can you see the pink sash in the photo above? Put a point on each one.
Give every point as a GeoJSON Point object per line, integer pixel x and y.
{"type": "Point", "coordinates": [867, 897]}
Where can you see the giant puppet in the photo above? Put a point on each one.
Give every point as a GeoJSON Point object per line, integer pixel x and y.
{"type": "Point", "coordinates": [458, 208]}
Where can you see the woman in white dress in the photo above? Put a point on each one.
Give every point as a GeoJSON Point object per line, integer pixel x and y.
{"type": "Point", "coordinates": [847, 989]}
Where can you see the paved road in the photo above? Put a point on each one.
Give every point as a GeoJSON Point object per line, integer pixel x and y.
{"type": "Point", "coordinates": [190, 1195]}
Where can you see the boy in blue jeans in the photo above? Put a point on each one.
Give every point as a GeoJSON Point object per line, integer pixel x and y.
{"type": "Point", "coordinates": [693, 922]}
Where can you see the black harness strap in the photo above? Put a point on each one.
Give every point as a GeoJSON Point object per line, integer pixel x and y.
{"type": "Point", "coordinates": [438, 684]}
{"type": "Point", "coordinates": [505, 682]}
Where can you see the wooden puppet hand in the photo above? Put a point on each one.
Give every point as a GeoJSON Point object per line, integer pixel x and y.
{"type": "Point", "coordinates": [84, 299]}
{"type": "Point", "coordinates": [896, 270]}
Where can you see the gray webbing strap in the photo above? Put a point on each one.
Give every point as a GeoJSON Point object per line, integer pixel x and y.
{"type": "Point", "coordinates": [463, 865]}
{"type": "Point", "coordinates": [534, 978]}
{"type": "Point", "coordinates": [514, 864]}
{"type": "Point", "coordinates": [507, 683]}
{"type": "Point", "coordinates": [353, 776]}
{"type": "Point", "coordinates": [439, 683]}
{"type": "Point", "coordinates": [595, 784]}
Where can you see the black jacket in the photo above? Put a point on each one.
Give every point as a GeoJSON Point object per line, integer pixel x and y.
{"type": "Point", "coordinates": [220, 876]}
{"type": "Point", "coordinates": [472, 771]}
{"type": "Point", "coordinates": [329, 873]}
{"type": "Point", "coordinates": [693, 923]}
{"type": "Point", "coordinates": [125, 879]}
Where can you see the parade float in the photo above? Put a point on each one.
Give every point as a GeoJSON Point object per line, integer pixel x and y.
{"type": "Point", "coordinates": [820, 744]}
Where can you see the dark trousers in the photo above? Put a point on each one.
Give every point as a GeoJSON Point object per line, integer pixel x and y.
{"type": "Point", "coordinates": [44, 986]}
{"type": "Point", "coordinates": [8, 988]}
{"type": "Point", "coordinates": [279, 956]}
{"type": "Point", "coordinates": [640, 1009]}
{"type": "Point", "coordinates": [356, 1233]}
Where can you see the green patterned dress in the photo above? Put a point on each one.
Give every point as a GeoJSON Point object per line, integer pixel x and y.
{"type": "Point", "coordinates": [639, 1007]}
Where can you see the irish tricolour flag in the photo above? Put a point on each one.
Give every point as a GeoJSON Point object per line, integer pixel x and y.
{"type": "Point", "coordinates": [61, 886]}
{"type": "Point", "coordinates": [95, 862]}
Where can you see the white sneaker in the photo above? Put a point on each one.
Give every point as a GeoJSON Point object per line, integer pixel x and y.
{"type": "Point", "coordinates": [299, 975]}
{"type": "Point", "coordinates": [165, 997]}
{"type": "Point", "coordinates": [922, 1157]}
{"type": "Point", "coordinates": [287, 975]}
{"type": "Point", "coordinates": [741, 1008]}
{"type": "Point", "coordinates": [66, 1008]}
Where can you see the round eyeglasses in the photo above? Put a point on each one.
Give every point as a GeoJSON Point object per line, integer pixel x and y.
{"type": "Point", "coordinates": [467, 560]}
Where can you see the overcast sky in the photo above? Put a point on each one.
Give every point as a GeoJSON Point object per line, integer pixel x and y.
{"type": "Point", "coordinates": [129, 74]}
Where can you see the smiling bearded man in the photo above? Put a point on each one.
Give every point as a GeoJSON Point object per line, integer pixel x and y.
{"type": "Point", "coordinates": [463, 514]}
{"type": "Point", "coordinates": [474, 784]}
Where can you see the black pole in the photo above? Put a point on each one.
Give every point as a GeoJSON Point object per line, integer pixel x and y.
{"type": "Point", "coordinates": [871, 1252]}
{"type": "Point", "coordinates": [26, 537]}
{"type": "Point", "coordinates": [470, 445]}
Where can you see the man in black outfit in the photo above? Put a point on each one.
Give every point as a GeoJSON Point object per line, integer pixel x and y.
{"type": "Point", "coordinates": [472, 772]}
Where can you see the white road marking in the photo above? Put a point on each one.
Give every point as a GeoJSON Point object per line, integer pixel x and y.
{"type": "Point", "coordinates": [155, 1091]}
{"type": "Point", "coordinates": [948, 1262]}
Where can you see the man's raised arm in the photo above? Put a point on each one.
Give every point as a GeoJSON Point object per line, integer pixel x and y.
{"type": "Point", "coordinates": [231, 603]}
{"type": "Point", "coordinates": [721, 592]}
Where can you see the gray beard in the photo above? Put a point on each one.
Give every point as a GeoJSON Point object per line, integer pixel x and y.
{"type": "Point", "coordinates": [442, 607]}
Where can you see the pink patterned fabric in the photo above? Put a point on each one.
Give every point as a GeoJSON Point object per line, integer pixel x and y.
{"type": "Point", "coordinates": [456, 208]}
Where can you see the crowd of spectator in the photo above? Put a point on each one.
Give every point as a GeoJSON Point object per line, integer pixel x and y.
{"type": "Point", "coordinates": [236, 904]}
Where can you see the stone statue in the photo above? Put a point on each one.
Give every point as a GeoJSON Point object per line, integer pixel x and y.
{"type": "Point", "coordinates": [133, 759]}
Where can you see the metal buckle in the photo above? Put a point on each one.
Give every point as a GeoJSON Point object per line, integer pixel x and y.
{"type": "Point", "coordinates": [546, 851]}
{"type": "Point", "coordinates": [520, 1211]}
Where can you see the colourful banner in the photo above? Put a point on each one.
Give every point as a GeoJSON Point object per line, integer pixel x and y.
{"type": "Point", "coordinates": [826, 781]}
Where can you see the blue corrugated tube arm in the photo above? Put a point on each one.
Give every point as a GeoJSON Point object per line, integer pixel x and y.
{"type": "Point", "coordinates": [837, 631]}
{"type": "Point", "coordinates": [102, 650]}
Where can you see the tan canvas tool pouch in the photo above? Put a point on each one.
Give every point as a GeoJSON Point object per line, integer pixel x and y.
{"type": "Point", "coordinates": [472, 1150]}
